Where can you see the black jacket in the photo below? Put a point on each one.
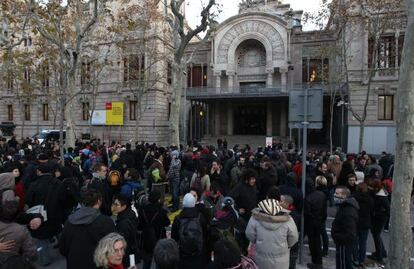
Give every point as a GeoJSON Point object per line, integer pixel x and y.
{"type": "Point", "coordinates": [381, 209]}
{"type": "Point", "coordinates": [266, 180]}
{"type": "Point", "coordinates": [245, 196]}
{"type": "Point", "coordinates": [345, 225]}
{"type": "Point", "coordinates": [315, 206]}
{"type": "Point", "coordinates": [289, 188]}
{"type": "Point", "coordinates": [159, 222]}
{"type": "Point", "coordinates": [47, 190]}
{"type": "Point", "coordinates": [127, 226]}
{"type": "Point", "coordinates": [366, 205]}
{"type": "Point", "coordinates": [81, 235]}
{"type": "Point", "coordinates": [103, 187]}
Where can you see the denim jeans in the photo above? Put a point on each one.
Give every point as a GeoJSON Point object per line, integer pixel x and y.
{"type": "Point", "coordinates": [43, 251]}
{"type": "Point", "coordinates": [360, 246]}
{"type": "Point", "coordinates": [175, 192]}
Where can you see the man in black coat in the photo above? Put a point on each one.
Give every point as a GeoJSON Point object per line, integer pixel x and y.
{"type": "Point", "coordinates": [245, 194]}
{"type": "Point", "coordinates": [82, 232]}
{"type": "Point", "coordinates": [46, 191]}
{"type": "Point", "coordinates": [267, 177]}
{"type": "Point", "coordinates": [289, 188]}
{"type": "Point", "coordinates": [344, 227]}
{"type": "Point", "coordinates": [100, 183]}
{"type": "Point", "coordinates": [315, 215]}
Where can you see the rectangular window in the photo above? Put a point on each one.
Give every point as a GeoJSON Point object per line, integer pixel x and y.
{"type": "Point", "coordinates": [169, 73]}
{"type": "Point", "coordinates": [27, 75]}
{"type": "Point", "coordinates": [45, 75]}
{"type": "Point", "coordinates": [134, 68]}
{"type": "Point", "coordinates": [85, 111]}
{"type": "Point", "coordinates": [132, 110]}
{"type": "Point", "coordinates": [45, 112]}
{"type": "Point", "coordinates": [385, 107]}
{"type": "Point", "coordinates": [86, 73]}
{"type": "Point", "coordinates": [9, 79]}
{"type": "Point", "coordinates": [318, 70]}
{"type": "Point", "coordinates": [385, 52]}
{"type": "Point", "coordinates": [197, 76]}
{"type": "Point", "coordinates": [27, 112]}
{"type": "Point", "coordinates": [10, 112]}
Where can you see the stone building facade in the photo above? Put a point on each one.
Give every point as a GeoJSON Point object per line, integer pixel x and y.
{"type": "Point", "coordinates": [239, 83]}
{"type": "Point", "coordinates": [238, 86]}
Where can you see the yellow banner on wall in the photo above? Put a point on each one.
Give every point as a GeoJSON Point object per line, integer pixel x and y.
{"type": "Point", "coordinates": [114, 113]}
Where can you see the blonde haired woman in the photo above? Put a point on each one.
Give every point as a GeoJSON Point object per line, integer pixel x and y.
{"type": "Point", "coordinates": [110, 251]}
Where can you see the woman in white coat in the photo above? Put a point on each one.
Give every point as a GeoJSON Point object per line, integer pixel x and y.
{"type": "Point", "coordinates": [273, 232]}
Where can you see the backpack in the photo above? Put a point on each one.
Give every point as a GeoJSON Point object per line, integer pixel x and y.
{"type": "Point", "coordinates": [197, 185]}
{"type": "Point", "coordinates": [149, 235]}
{"type": "Point", "coordinates": [191, 236]}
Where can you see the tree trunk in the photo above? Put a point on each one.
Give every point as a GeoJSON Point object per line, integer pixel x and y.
{"type": "Point", "coordinates": [69, 113]}
{"type": "Point", "coordinates": [361, 135]}
{"type": "Point", "coordinates": [401, 237]}
{"type": "Point", "coordinates": [331, 110]}
{"type": "Point", "coordinates": [176, 103]}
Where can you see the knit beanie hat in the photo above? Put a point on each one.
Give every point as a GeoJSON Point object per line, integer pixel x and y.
{"type": "Point", "coordinates": [175, 153]}
{"type": "Point", "coordinates": [270, 207]}
{"type": "Point", "coordinates": [189, 200]}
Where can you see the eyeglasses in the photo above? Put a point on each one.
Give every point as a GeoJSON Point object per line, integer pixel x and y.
{"type": "Point", "coordinates": [116, 204]}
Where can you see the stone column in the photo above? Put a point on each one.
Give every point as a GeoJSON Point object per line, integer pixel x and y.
{"type": "Point", "coordinates": [269, 81]}
{"type": "Point", "coordinates": [283, 118]}
{"type": "Point", "coordinates": [218, 81]}
{"type": "Point", "coordinates": [283, 79]}
{"type": "Point", "coordinates": [269, 119]}
{"type": "Point", "coordinates": [230, 75]}
{"type": "Point", "coordinates": [229, 119]}
{"type": "Point", "coordinates": [217, 119]}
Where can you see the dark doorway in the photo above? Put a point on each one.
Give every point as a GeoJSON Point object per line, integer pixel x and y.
{"type": "Point", "coordinates": [250, 120]}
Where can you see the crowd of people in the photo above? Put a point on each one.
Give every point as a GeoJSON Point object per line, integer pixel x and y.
{"type": "Point", "coordinates": [108, 206]}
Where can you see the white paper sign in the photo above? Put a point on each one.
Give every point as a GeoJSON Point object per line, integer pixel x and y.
{"type": "Point", "coordinates": [99, 117]}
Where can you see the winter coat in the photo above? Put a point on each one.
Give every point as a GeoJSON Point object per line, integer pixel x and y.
{"type": "Point", "coordinates": [235, 175]}
{"type": "Point", "coordinates": [212, 204]}
{"type": "Point", "coordinates": [315, 206]}
{"type": "Point", "coordinates": [205, 182]}
{"type": "Point", "coordinates": [245, 196]}
{"type": "Point", "coordinates": [7, 186]}
{"type": "Point", "coordinates": [289, 188]}
{"type": "Point", "coordinates": [381, 209]}
{"type": "Point", "coordinates": [23, 242]}
{"type": "Point", "coordinates": [47, 190]}
{"type": "Point", "coordinates": [366, 206]}
{"type": "Point", "coordinates": [345, 224]}
{"type": "Point", "coordinates": [81, 235]}
{"type": "Point", "coordinates": [159, 223]}
{"type": "Point", "coordinates": [174, 171]}
{"type": "Point", "coordinates": [103, 187]}
{"type": "Point", "coordinates": [222, 179]}
{"type": "Point", "coordinates": [127, 226]}
{"type": "Point", "coordinates": [266, 180]}
{"type": "Point", "coordinates": [273, 236]}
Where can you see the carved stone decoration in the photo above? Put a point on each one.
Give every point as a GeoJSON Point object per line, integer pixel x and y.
{"type": "Point", "coordinates": [251, 27]}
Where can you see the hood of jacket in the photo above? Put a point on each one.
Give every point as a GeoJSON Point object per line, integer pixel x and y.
{"type": "Point", "coordinates": [7, 181]}
{"type": "Point", "coordinates": [351, 201]}
{"type": "Point", "coordinates": [270, 222]}
{"type": "Point", "coordinates": [291, 179]}
{"type": "Point", "coordinates": [85, 215]}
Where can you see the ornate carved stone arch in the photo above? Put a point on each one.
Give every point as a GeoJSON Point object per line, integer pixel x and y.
{"type": "Point", "coordinates": [252, 29]}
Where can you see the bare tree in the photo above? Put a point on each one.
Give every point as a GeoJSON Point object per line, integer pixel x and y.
{"type": "Point", "coordinates": [401, 236]}
{"type": "Point", "coordinates": [66, 26]}
{"type": "Point", "coordinates": [181, 38]}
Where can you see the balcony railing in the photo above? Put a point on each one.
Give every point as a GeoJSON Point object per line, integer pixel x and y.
{"type": "Point", "coordinates": [246, 92]}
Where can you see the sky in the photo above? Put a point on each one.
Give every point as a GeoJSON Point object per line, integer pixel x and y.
{"type": "Point", "coordinates": [230, 8]}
